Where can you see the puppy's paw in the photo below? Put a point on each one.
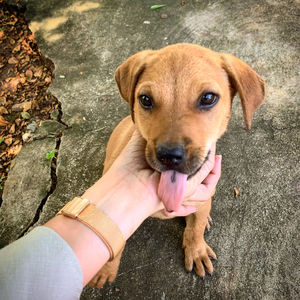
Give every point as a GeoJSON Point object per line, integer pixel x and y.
{"type": "Point", "coordinates": [200, 255]}
{"type": "Point", "coordinates": [107, 273]}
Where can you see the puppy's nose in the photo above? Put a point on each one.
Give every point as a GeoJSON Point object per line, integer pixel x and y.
{"type": "Point", "coordinates": [170, 156]}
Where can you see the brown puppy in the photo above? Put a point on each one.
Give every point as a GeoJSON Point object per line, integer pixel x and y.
{"type": "Point", "coordinates": [180, 99]}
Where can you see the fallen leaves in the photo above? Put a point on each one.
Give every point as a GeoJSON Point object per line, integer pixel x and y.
{"type": "Point", "coordinates": [8, 140]}
{"type": "Point", "coordinates": [12, 60]}
{"type": "Point", "coordinates": [25, 75]}
{"type": "Point", "coordinates": [14, 150]}
{"type": "Point", "coordinates": [3, 110]}
{"type": "Point", "coordinates": [12, 129]}
{"type": "Point", "coordinates": [24, 106]}
{"type": "Point", "coordinates": [10, 84]}
{"type": "Point", "coordinates": [3, 122]}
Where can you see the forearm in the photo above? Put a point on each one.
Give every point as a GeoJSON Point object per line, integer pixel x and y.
{"type": "Point", "coordinates": [117, 203]}
{"type": "Point", "coordinates": [89, 249]}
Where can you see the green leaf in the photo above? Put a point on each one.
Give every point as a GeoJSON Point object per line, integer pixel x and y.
{"type": "Point", "coordinates": [1, 186]}
{"type": "Point", "coordinates": [2, 140]}
{"type": "Point", "coordinates": [157, 6]}
{"type": "Point", "coordinates": [51, 154]}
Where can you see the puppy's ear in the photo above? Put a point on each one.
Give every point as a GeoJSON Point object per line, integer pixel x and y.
{"type": "Point", "coordinates": [127, 76]}
{"type": "Point", "coordinates": [249, 85]}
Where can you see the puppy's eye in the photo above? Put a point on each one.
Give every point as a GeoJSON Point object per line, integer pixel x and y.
{"type": "Point", "coordinates": [207, 100]}
{"type": "Point", "coordinates": [145, 101]}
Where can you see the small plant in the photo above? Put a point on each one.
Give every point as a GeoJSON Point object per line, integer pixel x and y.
{"type": "Point", "coordinates": [1, 186]}
{"type": "Point", "coordinates": [50, 155]}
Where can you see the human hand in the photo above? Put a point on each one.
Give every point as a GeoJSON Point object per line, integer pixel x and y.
{"type": "Point", "coordinates": [127, 192]}
{"type": "Point", "coordinates": [131, 183]}
{"type": "Point", "coordinates": [134, 167]}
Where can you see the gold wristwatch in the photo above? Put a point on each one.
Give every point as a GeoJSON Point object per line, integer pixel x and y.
{"type": "Point", "coordinates": [88, 214]}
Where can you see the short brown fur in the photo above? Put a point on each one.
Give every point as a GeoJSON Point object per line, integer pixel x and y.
{"type": "Point", "coordinates": [174, 77]}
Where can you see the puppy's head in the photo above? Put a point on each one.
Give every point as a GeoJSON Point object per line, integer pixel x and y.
{"type": "Point", "coordinates": [180, 99]}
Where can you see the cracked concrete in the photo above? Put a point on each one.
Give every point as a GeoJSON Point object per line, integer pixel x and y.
{"type": "Point", "coordinates": [30, 179]}
{"type": "Point", "coordinates": [256, 234]}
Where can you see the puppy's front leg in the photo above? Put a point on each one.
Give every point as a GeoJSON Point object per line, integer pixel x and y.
{"type": "Point", "coordinates": [107, 273]}
{"type": "Point", "coordinates": [196, 249]}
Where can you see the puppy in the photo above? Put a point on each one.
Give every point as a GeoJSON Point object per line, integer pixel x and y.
{"type": "Point", "coordinates": [180, 99]}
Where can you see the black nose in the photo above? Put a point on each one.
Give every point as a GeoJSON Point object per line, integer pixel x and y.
{"type": "Point", "coordinates": [170, 156]}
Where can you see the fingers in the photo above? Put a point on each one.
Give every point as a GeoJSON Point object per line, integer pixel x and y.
{"type": "Point", "coordinates": [197, 179]}
{"type": "Point", "coordinates": [207, 166]}
{"type": "Point", "coordinates": [215, 174]}
{"type": "Point", "coordinates": [184, 210]}
{"type": "Point", "coordinates": [136, 143]}
{"type": "Point", "coordinates": [133, 155]}
{"type": "Point", "coordinates": [206, 189]}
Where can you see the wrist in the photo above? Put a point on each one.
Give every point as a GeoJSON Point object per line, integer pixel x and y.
{"type": "Point", "coordinates": [126, 202]}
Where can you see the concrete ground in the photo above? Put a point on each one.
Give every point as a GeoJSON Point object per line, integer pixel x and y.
{"type": "Point", "coordinates": [255, 234]}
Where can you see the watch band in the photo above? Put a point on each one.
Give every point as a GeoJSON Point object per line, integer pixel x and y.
{"type": "Point", "coordinates": [88, 214]}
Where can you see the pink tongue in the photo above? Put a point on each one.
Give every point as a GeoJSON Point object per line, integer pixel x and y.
{"type": "Point", "coordinates": [171, 189]}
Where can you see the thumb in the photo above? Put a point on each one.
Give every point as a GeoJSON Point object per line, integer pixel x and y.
{"type": "Point", "coordinates": [133, 155]}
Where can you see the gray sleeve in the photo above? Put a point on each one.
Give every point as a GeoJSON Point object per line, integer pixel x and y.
{"type": "Point", "coordinates": [40, 265]}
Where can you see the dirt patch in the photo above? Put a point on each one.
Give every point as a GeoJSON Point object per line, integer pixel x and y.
{"type": "Point", "coordinates": [25, 75]}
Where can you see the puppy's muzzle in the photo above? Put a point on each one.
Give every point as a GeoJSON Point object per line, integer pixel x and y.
{"type": "Point", "coordinates": [171, 156]}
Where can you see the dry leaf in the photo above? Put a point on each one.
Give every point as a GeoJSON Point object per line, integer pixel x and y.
{"type": "Point", "coordinates": [3, 122]}
{"type": "Point", "coordinates": [34, 104]}
{"type": "Point", "coordinates": [11, 84]}
{"type": "Point", "coordinates": [3, 110]}
{"type": "Point", "coordinates": [13, 60]}
{"type": "Point", "coordinates": [18, 121]}
{"type": "Point", "coordinates": [14, 150]}
{"type": "Point", "coordinates": [17, 48]}
{"type": "Point", "coordinates": [48, 79]}
{"type": "Point", "coordinates": [22, 78]}
{"type": "Point", "coordinates": [16, 142]}
{"type": "Point", "coordinates": [24, 106]}
{"type": "Point", "coordinates": [12, 128]}
{"type": "Point", "coordinates": [8, 141]}
{"type": "Point", "coordinates": [27, 136]}
{"type": "Point", "coordinates": [236, 192]}
{"type": "Point", "coordinates": [38, 72]}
